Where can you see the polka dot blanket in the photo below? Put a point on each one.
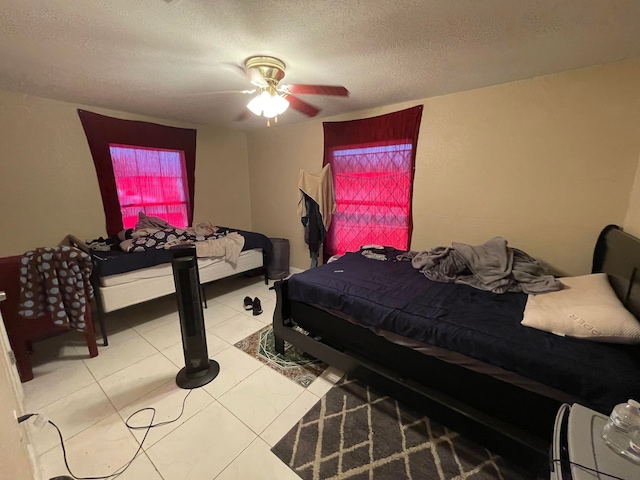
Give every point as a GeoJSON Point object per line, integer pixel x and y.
{"type": "Point", "coordinates": [55, 281]}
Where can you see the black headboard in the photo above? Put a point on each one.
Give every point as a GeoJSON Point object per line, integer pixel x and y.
{"type": "Point", "coordinates": [618, 255]}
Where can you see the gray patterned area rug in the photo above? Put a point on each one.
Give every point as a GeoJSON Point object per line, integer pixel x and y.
{"type": "Point", "coordinates": [293, 364]}
{"type": "Point", "coordinates": [353, 433]}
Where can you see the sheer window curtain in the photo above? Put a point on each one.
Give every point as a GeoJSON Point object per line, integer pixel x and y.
{"type": "Point", "coordinates": [372, 162]}
{"type": "Point", "coordinates": [103, 132]}
{"type": "Point", "coordinates": [153, 181]}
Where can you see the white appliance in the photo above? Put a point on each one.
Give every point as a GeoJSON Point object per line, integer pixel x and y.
{"type": "Point", "coordinates": [577, 439]}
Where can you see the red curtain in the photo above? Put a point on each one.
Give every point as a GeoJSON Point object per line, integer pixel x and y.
{"type": "Point", "coordinates": [372, 162]}
{"type": "Point", "coordinates": [103, 131]}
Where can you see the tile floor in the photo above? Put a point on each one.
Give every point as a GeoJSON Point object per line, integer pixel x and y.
{"type": "Point", "coordinates": [228, 426]}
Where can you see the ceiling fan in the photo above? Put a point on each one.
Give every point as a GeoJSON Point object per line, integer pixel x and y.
{"type": "Point", "coordinates": [273, 99]}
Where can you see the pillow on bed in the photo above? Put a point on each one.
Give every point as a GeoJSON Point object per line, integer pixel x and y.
{"type": "Point", "coordinates": [586, 308]}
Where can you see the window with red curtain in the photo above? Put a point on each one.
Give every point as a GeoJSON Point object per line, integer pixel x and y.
{"type": "Point", "coordinates": [372, 162]}
{"type": "Point", "coordinates": [152, 181]}
{"type": "Point", "coordinates": [128, 151]}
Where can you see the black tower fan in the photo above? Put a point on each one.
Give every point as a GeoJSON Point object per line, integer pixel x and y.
{"type": "Point", "coordinates": [199, 369]}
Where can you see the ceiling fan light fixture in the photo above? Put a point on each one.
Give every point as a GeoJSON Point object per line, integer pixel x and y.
{"type": "Point", "coordinates": [255, 105]}
{"type": "Point", "coordinates": [280, 103]}
{"type": "Point", "coordinates": [268, 105]}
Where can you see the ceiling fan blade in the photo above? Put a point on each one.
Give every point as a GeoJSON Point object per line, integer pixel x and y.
{"type": "Point", "coordinates": [302, 106]}
{"type": "Point", "coordinates": [318, 90]}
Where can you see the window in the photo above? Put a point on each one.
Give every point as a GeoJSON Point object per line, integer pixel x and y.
{"type": "Point", "coordinates": [142, 166]}
{"type": "Point", "coordinates": [152, 181]}
{"type": "Point", "coordinates": [373, 196]}
{"type": "Point", "coordinates": [372, 162]}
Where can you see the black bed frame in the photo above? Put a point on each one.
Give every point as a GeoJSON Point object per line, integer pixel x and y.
{"type": "Point", "coordinates": [505, 418]}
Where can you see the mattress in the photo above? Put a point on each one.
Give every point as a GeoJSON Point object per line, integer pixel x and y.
{"type": "Point", "coordinates": [389, 296]}
{"type": "Point", "coordinates": [163, 270]}
{"type": "Point", "coordinates": [136, 287]}
{"type": "Point", "coordinates": [114, 262]}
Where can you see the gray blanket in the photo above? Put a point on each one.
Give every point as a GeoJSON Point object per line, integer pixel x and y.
{"type": "Point", "coordinates": [493, 266]}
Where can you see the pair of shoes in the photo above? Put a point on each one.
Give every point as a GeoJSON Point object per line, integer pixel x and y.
{"type": "Point", "coordinates": [254, 305]}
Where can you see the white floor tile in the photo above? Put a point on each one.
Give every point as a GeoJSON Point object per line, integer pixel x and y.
{"type": "Point", "coordinates": [215, 345]}
{"type": "Point", "coordinates": [287, 419]}
{"type": "Point", "coordinates": [240, 292]}
{"type": "Point", "coordinates": [261, 397]}
{"type": "Point", "coordinates": [147, 323]}
{"type": "Point", "coordinates": [167, 402]}
{"type": "Point", "coordinates": [119, 355]}
{"type": "Point", "coordinates": [257, 463]}
{"type": "Point", "coordinates": [141, 469]}
{"type": "Point", "coordinates": [217, 313]}
{"type": "Point", "coordinates": [164, 336]}
{"type": "Point", "coordinates": [72, 414]}
{"type": "Point", "coordinates": [263, 291]}
{"type": "Point", "coordinates": [236, 328]}
{"type": "Point", "coordinates": [135, 381]}
{"type": "Point", "coordinates": [44, 362]}
{"type": "Point", "coordinates": [118, 329]}
{"type": "Point", "coordinates": [325, 381]}
{"type": "Point", "coordinates": [97, 451]}
{"type": "Point", "coordinates": [235, 366]}
{"type": "Point", "coordinates": [58, 351]}
{"type": "Point", "coordinates": [201, 447]}
{"type": "Point", "coordinates": [47, 388]}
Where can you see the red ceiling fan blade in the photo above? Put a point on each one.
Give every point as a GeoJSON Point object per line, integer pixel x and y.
{"type": "Point", "coordinates": [302, 106]}
{"type": "Point", "coordinates": [318, 90]}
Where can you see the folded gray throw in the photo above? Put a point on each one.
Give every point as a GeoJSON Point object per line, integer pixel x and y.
{"type": "Point", "coordinates": [492, 266]}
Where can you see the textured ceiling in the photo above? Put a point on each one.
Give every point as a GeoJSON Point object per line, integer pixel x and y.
{"type": "Point", "coordinates": [164, 58]}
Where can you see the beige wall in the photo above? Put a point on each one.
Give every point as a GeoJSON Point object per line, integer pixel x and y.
{"type": "Point", "coordinates": [545, 163]}
{"type": "Point", "coordinates": [222, 178]}
{"type": "Point", "coordinates": [48, 185]}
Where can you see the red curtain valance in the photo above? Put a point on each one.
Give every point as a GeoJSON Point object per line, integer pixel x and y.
{"type": "Point", "coordinates": [102, 131]}
{"type": "Point", "coordinates": [402, 125]}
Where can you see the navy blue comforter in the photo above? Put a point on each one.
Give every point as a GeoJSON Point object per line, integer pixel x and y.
{"type": "Point", "coordinates": [395, 297]}
{"type": "Point", "coordinates": [117, 261]}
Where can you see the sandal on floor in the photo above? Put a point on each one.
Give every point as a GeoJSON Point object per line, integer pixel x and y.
{"type": "Point", "coordinates": [257, 308]}
{"type": "Point", "coordinates": [248, 303]}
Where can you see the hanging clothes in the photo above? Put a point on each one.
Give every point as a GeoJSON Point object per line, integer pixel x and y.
{"type": "Point", "coordinates": [56, 281]}
{"type": "Point", "coordinates": [319, 187]}
{"type": "Point", "coordinates": [317, 199]}
{"type": "Point", "coordinates": [314, 232]}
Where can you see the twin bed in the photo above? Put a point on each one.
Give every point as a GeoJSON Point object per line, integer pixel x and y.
{"type": "Point", "coordinates": [459, 353]}
{"type": "Point", "coordinates": [121, 279]}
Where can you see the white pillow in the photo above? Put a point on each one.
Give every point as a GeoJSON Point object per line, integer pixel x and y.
{"type": "Point", "coordinates": [586, 308]}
